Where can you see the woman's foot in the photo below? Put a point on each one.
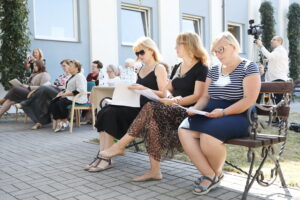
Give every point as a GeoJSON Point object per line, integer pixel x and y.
{"type": "Point", "coordinates": [206, 185]}
{"type": "Point", "coordinates": [58, 127]}
{"type": "Point", "coordinates": [102, 165]}
{"type": "Point", "coordinates": [112, 151]}
{"type": "Point", "coordinates": [94, 163]}
{"type": "Point", "coordinates": [36, 126]}
{"type": "Point", "coordinates": [149, 176]}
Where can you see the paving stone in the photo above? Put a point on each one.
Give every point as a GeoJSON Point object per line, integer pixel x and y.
{"type": "Point", "coordinates": [49, 167]}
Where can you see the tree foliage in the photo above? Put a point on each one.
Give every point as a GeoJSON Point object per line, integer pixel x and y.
{"type": "Point", "coordinates": [294, 40]}
{"type": "Point", "coordinates": [14, 38]}
{"type": "Point", "coordinates": [267, 19]}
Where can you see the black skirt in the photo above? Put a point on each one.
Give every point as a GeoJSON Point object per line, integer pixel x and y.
{"type": "Point", "coordinates": [17, 94]}
{"type": "Point", "coordinates": [115, 120]}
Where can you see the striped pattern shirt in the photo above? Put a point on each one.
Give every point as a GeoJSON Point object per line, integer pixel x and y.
{"type": "Point", "coordinates": [230, 87]}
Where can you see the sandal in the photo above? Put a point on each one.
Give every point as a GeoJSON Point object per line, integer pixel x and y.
{"type": "Point", "coordinates": [205, 189]}
{"type": "Point", "coordinates": [198, 181]}
{"type": "Point", "coordinates": [99, 169]}
{"type": "Point", "coordinates": [96, 161]}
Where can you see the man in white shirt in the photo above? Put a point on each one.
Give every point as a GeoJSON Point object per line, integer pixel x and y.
{"type": "Point", "coordinates": [278, 62]}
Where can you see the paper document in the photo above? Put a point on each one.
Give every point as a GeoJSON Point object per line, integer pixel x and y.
{"type": "Point", "coordinates": [15, 82]}
{"type": "Point", "coordinates": [122, 96]}
{"type": "Point", "coordinates": [192, 110]}
{"type": "Point", "coordinates": [148, 93]}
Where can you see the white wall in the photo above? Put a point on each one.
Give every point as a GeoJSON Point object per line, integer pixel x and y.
{"type": "Point", "coordinates": [282, 21]}
{"type": "Point", "coordinates": [216, 21]}
{"type": "Point", "coordinates": [169, 28]}
{"type": "Point", "coordinates": [103, 31]}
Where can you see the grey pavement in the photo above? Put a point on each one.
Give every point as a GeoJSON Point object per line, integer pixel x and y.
{"type": "Point", "coordinates": [44, 165]}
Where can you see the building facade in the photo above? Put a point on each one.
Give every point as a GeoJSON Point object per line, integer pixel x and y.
{"type": "Point", "coordinates": [105, 30]}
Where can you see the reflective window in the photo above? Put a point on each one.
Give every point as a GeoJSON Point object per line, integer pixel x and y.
{"type": "Point", "coordinates": [191, 23]}
{"type": "Point", "coordinates": [236, 30]}
{"type": "Point", "coordinates": [55, 20]}
{"type": "Point", "coordinates": [134, 24]}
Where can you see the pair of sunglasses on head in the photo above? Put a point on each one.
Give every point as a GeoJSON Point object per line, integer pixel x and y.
{"type": "Point", "coordinates": [141, 52]}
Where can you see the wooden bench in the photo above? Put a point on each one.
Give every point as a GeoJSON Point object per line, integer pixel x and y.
{"type": "Point", "coordinates": [266, 141]}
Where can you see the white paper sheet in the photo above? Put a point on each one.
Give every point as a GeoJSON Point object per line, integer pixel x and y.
{"type": "Point", "coordinates": [122, 96]}
{"type": "Point", "coordinates": [148, 93]}
{"type": "Point", "coordinates": [15, 82]}
{"type": "Point", "coordinates": [191, 110]}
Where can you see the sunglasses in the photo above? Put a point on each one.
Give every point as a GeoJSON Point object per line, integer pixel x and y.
{"type": "Point", "coordinates": [141, 52]}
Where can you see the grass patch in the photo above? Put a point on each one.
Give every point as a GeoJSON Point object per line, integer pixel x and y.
{"type": "Point", "coordinates": [290, 159]}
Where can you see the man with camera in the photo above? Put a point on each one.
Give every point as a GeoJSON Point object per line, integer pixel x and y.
{"type": "Point", "coordinates": [278, 67]}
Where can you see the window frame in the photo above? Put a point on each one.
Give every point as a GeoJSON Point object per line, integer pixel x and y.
{"type": "Point", "coordinates": [199, 21]}
{"type": "Point", "coordinates": [147, 22]}
{"type": "Point", "coordinates": [241, 33]}
{"type": "Point", "coordinates": [75, 26]}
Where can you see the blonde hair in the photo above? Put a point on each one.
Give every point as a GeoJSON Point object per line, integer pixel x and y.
{"type": "Point", "coordinates": [228, 37]}
{"type": "Point", "coordinates": [148, 43]}
{"type": "Point", "coordinates": [193, 45]}
{"type": "Point", "coordinates": [40, 53]}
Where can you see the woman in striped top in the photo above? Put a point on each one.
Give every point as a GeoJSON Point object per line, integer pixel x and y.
{"type": "Point", "coordinates": [230, 89]}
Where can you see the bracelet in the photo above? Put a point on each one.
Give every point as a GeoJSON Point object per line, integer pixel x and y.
{"type": "Point", "coordinates": [223, 113]}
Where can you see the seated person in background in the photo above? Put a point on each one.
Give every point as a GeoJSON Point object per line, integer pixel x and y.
{"type": "Point", "coordinates": [230, 89]}
{"type": "Point", "coordinates": [128, 74]}
{"type": "Point", "coordinates": [158, 122]}
{"type": "Point", "coordinates": [76, 84]}
{"type": "Point", "coordinates": [113, 73]}
{"type": "Point", "coordinates": [113, 121]}
{"type": "Point", "coordinates": [17, 94]}
{"type": "Point", "coordinates": [37, 54]}
{"type": "Point", "coordinates": [36, 107]}
{"type": "Point", "coordinates": [96, 67]}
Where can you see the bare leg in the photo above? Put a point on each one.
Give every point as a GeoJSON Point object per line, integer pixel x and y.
{"type": "Point", "coordinates": [2, 101]}
{"type": "Point", "coordinates": [153, 174]}
{"type": "Point", "coordinates": [117, 148]}
{"type": "Point", "coordinates": [6, 106]}
{"type": "Point", "coordinates": [190, 141]}
{"type": "Point", "coordinates": [105, 142]}
{"type": "Point", "coordinates": [215, 152]}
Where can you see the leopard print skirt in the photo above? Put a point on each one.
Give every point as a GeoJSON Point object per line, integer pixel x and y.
{"type": "Point", "coordinates": [158, 125]}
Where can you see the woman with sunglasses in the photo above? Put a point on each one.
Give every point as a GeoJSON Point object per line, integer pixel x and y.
{"type": "Point", "coordinates": [230, 89]}
{"type": "Point", "coordinates": [113, 121]}
{"type": "Point", "coordinates": [158, 122]}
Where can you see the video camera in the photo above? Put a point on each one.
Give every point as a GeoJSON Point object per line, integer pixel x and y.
{"type": "Point", "coordinates": [255, 30]}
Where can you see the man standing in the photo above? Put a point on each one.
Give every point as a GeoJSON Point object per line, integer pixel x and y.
{"type": "Point", "coordinates": [278, 62]}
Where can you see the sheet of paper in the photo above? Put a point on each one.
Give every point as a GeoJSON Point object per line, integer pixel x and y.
{"type": "Point", "coordinates": [122, 96]}
{"type": "Point", "coordinates": [148, 93]}
{"type": "Point", "coordinates": [15, 82]}
{"type": "Point", "coordinates": [191, 110]}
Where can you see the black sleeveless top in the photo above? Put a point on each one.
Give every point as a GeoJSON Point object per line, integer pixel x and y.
{"type": "Point", "coordinates": [148, 81]}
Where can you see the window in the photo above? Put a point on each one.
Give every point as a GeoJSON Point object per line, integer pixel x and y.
{"type": "Point", "coordinates": [134, 23]}
{"type": "Point", "coordinates": [55, 20]}
{"type": "Point", "coordinates": [236, 30]}
{"type": "Point", "coordinates": [192, 23]}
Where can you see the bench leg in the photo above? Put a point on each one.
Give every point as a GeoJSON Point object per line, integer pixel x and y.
{"type": "Point", "coordinates": [250, 181]}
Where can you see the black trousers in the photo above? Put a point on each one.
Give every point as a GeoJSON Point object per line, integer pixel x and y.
{"type": "Point", "coordinates": [278, 97]}
{"type": "Point", "coordinates": [58, 108]}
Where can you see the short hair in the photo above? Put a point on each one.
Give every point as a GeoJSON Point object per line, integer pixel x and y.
{"type": "Point", "coordinates": [114, 68]}
{"type": "Point", "coordinates": [98, 63]}
{"type": "Point", "coordinates": [67, 61]}
{"type": "Point", "coordinates": [280, 39]}
{"type": "Point", "coordinates": [40, 52]}
{"type": "Point", "coordinates": [148, 43]}
{"type": "Point", "coordinates": [129, 61]}
{"type": "Point", "coordinates": [228, 37]}
{"type": "Point", "coordinates": [41, 65]}
{"type": "Point", "coordinates": [192, 43]}
{"type": "Point", "coordinates": [77, 64]}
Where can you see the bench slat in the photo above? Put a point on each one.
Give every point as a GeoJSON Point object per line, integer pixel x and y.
{"type": "Point", "coordinates": [261, 140]}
